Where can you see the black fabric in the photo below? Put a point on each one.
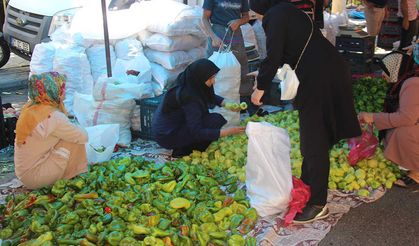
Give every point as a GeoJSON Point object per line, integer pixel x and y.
{"type": "Point", "coordinates": [190, 87]}
{"type": "Point", "coordinates": [378, 3]}
{"type": "Point", "coordinates": [407, 35]}
{"type": "Point", "coordinates": [262, 6]}
{"type": "Point", "coordinates": [324, 98]}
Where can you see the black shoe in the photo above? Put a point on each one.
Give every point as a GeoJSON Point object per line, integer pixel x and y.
{"type": "Point", "coordinates": [311, 213]}
{"type": "Point", "coordinates": [181, 152]}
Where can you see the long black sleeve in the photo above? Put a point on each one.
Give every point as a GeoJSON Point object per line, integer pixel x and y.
{"type": "Point", "coordinates": [276, 30]}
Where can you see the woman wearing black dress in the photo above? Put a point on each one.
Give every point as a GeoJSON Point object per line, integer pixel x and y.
{"type": "Point", "coordinates": [324, 98]}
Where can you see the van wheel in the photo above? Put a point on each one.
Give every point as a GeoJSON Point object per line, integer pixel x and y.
{"type": "Point", "coordinates": [4, 52]}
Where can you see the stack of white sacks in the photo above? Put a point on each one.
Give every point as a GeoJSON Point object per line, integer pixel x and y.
{"type": "Point", "coordinates": [173, 39]}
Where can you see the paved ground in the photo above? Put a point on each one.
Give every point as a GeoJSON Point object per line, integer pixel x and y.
{"type": "Point", "coordinates": [392, 220]}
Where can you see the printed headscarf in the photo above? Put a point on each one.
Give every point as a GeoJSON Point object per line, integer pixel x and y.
{"type": "Point", "coordinates": [46, 93]}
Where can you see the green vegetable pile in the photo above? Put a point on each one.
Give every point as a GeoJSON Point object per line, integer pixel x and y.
{"type": "Point", "coordinates": [130, 201]}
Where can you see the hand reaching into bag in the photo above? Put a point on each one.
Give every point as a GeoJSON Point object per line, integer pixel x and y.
{"type": "Point", "coordinates": [367, 118]}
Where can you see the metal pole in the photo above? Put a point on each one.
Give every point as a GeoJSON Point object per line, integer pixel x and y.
{"type": "Point", "coordinates": [106, 36]}
{"type": "Point", "coordinates": [3, 142]}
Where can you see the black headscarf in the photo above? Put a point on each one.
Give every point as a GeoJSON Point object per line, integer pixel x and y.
{"type": "Point", "coordinates": [190, 86]}
{"type": "Point", "coordinates": [262, 6]}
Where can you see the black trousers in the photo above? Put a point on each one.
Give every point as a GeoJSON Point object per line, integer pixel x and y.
{"type": "Point", "coordinates": [407, 35]}
{"type": "Point", "coordinates": [315, 144]}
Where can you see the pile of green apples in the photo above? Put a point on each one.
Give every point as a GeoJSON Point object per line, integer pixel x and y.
{"type": "Point", "coordinates": [229, 153]}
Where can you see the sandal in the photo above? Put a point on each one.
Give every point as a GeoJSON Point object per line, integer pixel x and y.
{"type": "Point", "coordinates": [405, 182]}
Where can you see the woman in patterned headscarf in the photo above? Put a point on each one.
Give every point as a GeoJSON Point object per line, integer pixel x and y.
{"type": "Point", "coordinates": [47, 146]}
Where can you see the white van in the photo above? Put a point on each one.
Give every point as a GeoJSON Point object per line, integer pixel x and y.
{"type": "Point", "coordinates": [30, 22]}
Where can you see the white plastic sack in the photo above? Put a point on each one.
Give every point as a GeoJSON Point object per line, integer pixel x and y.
{"type": "Point", "coordinates": [139, 63]}
{"type": "Point", "coordinates": [91, 113]}
{"type": "Point", "coordinates": [268, 168]}
{"type": "Point", "coordinates": [97, 59]}
{"type": "Point", "coordinates": [260, 38]}
{"type": "Point", "coordinates": [227, 83]}
{"type": "Point", "coordinates": [42, 58]}
{"type": "Point", "coordinates": [172, 18]}
{"type": "Point", "coordinates": [161, 42]}
{"type": "Point", "coordinates": [121, 24]}
{"type": "Point", "coordinates": [102, 141]}
{"type": "Point", "coordinates": [173, 60]}
{"type": "Point", "coordinates": [164, 76]}
{"type": "Point", "coordinates": [113, 88]}
{"type": "Point", "coordinates": [72, 62]}
{"type": "Point", "coordinates": [128, 48]}
{"type": "Point", "coordinates": [249, 34]}
{"type": "Point", "coordinates": [289, 82]}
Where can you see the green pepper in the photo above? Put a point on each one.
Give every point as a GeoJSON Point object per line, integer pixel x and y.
{"type": "Point", "coordinates": [185, 241]}
{"type": "Point", "coordinates": [93, 229]}
{"type": "Point", "coordinates": [169, 187]}
{"type": "Point", "coordinates": [156, 232]}
{"type": "Point", "coordinates": [235, 220]}
{"type": "Point", "coordinates": [224, 224]}
{"type": "Point", "coordinates": [141, 174]}
{"type": "Point", "coordinates": [238, 208]}
{"type": "Point", "coordinates": [239, 195]}
{"type": "Point", "coordinates": [6, 233]}
{"type": "Point", "coordinates": [133, 215]}
{"type": "Point", "coordinates": [139, 229]}
{"type": "Point", "coordinates": [100, 227]}
{"type": "Point", "coordinates": [81, 197]}
{"type": "Point", "coordinates": [180, 185]}
{"type": "Point", "coordinates": [251, 213]}
{"type": "Point", "coordinates": [68, 242]}
{"type": "Point", "coordinates": [164, 223]}
{"type": "Point", "coordinates": [236, 240]}
{"type": "Point", "coordinates": [128, 178]}
{"type": "Point", "coordinates": [59, 188]}
{"type": "Point", "coordinates": [247, 225]}
{"type": "Point", "coordinates": [146, 208]}
{"type": "Point", "coordinates": [217, 242]}
{"type": "Point", "coordinates": [77, 183]}
{"type": "Point", "coordinates": [206, 217]}
{"type": "Point", "coordinates": [209, 227]}
{"type": "Point", "coordinates": [114, 237]}
{"type": "Point", "coordinates": [160, 205]}
{"type": "Point", "coordinates": [41, 240]}
{"type": "Point", "coordinates": [70, 218]}
{"type": "Point", "coordinates": [207, 181]}
{"type": "Point", "coordinates": [37, 227]}
{"type": "Point", "coordinates": [117, 225]}
{"type": "Point", "coordinates": [251, 241]}
{"type": "Point", "coordinates": [219, 235]}
{"type": "Point", "coordinates": [127, 241]}
{"type": "Point", "coordinates": [131, 196]}
{"type": "Point", "coordinates": [231, 180]}
{"type": "Point", "coordinates": [224, 212]}
{"type": "Point", "coordinates": [203, 238]}
{"type": "Point", "coordinates": [193, 232]}
{"type": "Point", "coordinates": [106, 219]}
{"type": "Point", "coordinates": [64, 229]}
{"type": "Point", "coordinates": [153, 220]}
{"type": "Point", "coordinates": [85, 242]}
{"type": "Point", "coordinates": [232, 188]}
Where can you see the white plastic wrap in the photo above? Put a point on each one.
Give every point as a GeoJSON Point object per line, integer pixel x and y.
{"type": "Point", "coordinates": [176, 59]}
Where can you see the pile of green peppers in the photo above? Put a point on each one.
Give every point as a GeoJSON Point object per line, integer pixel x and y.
{"type": "Point", "coordinates": [130, 201]}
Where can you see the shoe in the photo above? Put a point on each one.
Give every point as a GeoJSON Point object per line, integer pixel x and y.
{"type": "Point", "coordinates": [311, 213]}
{"type": "Point", "coordinates": [406, 182]}
{"type": "Point", "coordinates": [181, 152]}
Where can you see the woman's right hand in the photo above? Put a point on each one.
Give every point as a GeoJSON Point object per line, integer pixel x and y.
{"type": "Point", "coordinates": [232, 131]}
{"type": "Point", "coordinates": [216, 41]}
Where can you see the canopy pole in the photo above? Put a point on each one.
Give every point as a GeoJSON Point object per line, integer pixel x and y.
{"type": "Point", "coordinates": [106, 36]}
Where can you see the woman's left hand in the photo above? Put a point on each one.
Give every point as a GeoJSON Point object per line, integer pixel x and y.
{"type": "Point", "coordinates": [367, 118]}
{"type": "Point", "coordinates": [234, 25]}
{"type": "Point", "coordinates": [257, 96]}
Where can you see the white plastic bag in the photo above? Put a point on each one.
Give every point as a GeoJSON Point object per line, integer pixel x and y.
{"type": "Point", "coordinates": [102, 141]}
{"type": "Point", "coordinates": [139, 63]}
{"type": "Point", "coordinates": [112, 88]}
{"type": "Point", "coordinates": [164, 76]}
{"type": "Point", "coordinates": [268, 168]}
{"type": "Point", "coordinates": [249, 34]}
{"type": "Point", "coordinates": [97, 59]}
{"type": "Point", "coordinates": [289, 82]}
{"type": "Point", "coordinates": [176, 59]}
{"type": "Point", "coordinates": [128, 48]}
{"type": "Point", "coordinates": [72, 61]}
{"type": "Point", "coordinates": [42, 58]}
{"type": "Point", "coordinates": [161, 42]}
{"type": "Point", "coordinates": [227, 83]}
{"type": "Point", "coordinates": [172, 18]}
{"type": "Point", "coordinates": [260, 38]}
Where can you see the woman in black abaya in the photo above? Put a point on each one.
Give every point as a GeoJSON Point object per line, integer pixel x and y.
{"type": "Point", "coordinates": [182, 121]}
{"type": "Point", "coordinates": [324, 98]}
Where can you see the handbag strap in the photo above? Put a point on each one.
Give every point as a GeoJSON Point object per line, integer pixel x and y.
{"type": "Point", "coordinates": [308, 41]}
{"type": "Point", "coordinates": [228, 47]}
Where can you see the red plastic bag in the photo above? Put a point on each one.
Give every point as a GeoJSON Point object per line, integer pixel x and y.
{"type": "Point", "coordinates": [362, 147]}
{"type": "Point", "coordinates": [300, 194]}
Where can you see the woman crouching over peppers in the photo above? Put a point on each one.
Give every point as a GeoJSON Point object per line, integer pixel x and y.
{"type": "Point", "coordinates": [182, 121]}
{"type": "Point", "coordinates": [47, 146]}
